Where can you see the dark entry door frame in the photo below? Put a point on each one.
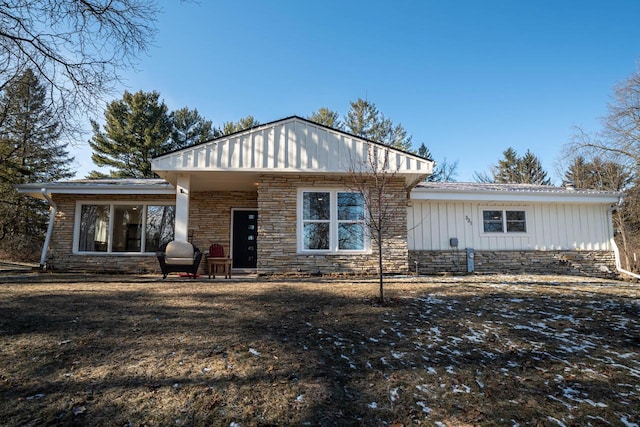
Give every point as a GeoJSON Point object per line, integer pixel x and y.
{"type": "Point", "coordinates": [244, 238]}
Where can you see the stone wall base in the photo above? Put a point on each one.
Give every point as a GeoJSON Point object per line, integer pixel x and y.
{"type": "Point", "coordinates": [129, 264]}
{"type": "Point", "coordinates": [587, 263]}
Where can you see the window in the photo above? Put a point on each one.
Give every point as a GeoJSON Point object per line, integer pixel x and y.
{"type": "Point", "coordinates": [504, 221]}
{"type": "Point", "coordinates": [125, 228]}
{"type": "Point", "coordinates": [332, 221]}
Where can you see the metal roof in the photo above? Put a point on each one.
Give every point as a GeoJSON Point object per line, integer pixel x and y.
{"type": "Point", "coordinates": [98, 186]}
{"type": "Point", "coordinates": [510, 192]}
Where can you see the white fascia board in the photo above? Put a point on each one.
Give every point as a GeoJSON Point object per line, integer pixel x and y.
{"type": "Point", "coordinates": [515, 197]}
{"type": "Point", "coordinates": [35, 190]}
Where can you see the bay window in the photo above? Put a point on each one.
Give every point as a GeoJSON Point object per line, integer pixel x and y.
{"type": "Point", "coordinates": [123, 227]}
{"type": "Point", "coordinates": [331, 221]}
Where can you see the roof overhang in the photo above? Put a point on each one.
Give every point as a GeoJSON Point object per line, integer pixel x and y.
{"type": "Point", "coordinates": [511, 193]}
{"type": "Point", "coordinates": [96, 186]}
{"type": "Point", "coordinates": [292, 146]}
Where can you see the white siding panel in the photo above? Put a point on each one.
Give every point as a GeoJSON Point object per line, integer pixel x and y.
{"type": "Point", "coordinates": [336, 149]}
{"type": "Point", "coordinates": [290, 146]}
{"type": "Point", "coordinates": [246, 153]}
{"type": "Point", "coordinates": [314, 139]}
{"type": "Point", "coordinates": [323, 157]}
{"type": "Point", "coordinates": [577, 227]}
{"type": "Point", "coordinates": [223, 157]}
{"type": "Point", "coordinates": [412, 235]}
{"type": "Point", "coordinates": [550, 226]}
{"type": "Point", "coordinates": [292, 143]}
{"type": "Point", "coordinates": [442, 219]}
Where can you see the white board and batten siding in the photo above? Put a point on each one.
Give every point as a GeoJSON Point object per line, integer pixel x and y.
{"type": "Point", "coordinates": [550, 225]}
{"type": "Point", "coordinates": [288, 145]}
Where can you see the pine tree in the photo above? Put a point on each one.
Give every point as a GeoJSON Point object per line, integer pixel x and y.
{"type": "Point", "coordinates": [507, 170]}
{"type": "Point", "coordinates": [30, 151]}
{"type": "Point", "coordinates": [136, 129]}
{"type": "Point", "coordinates": [363, 119]}
{"type": "Point", "coordinates": [442, 172]}
{"type": "Point", "coordinates": [424, 152]}
{"type": "Point", "coordinates": [513, 169]}
{"type": "Point", "coordinates": [327, 117]}
{"type": "Point", "coordinates": [189, 128]}
{"type": "Point", "coordinates": [598, 174]}
{"type": "Point", "coordinates": [531, 171]}
{"type": "Point", "coordinates": [579, 173]}
{"type": "Point", "coordinates": [242, 124]}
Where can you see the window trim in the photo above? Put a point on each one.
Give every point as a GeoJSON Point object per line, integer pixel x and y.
{"type": "Point", "coordinates": [334, 223]}
{"type": "Point", "coordinates": [504, 210]}
{"type": "Point", "coordinates": [112, 206]}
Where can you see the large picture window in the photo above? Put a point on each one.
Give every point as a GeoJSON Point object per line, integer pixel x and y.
{"type": "Point", "coordinates": [332, 221]}
{"type": "Point", "coordinates": [504, 221]}
{"type": "Point", "coordinates": [124, 228]}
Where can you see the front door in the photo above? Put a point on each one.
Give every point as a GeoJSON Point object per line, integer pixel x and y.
{"type": "Point", "coordinates": [245, 238]}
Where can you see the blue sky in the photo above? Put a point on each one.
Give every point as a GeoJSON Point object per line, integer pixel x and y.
{"type": "Point", "coordinates": [467, 78]}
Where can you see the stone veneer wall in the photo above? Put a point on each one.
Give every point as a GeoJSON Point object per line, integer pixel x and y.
{"type": "Point", "coordinates": [277, 223]}
{"type": "Point", "coordinates": [209, 218]}
{"type": "Point", "coordinates": [60, 255]}
{"type": "Point", "coordinates": [589, 263]}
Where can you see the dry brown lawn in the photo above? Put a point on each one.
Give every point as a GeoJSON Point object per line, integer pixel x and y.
{"type": "Point", "coordinates": [445, 351]}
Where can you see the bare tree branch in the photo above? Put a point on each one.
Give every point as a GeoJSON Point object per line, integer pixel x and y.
{"type": "Point", "coordinates": [77, 46]}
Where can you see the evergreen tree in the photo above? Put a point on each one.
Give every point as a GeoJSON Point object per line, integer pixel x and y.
{"type": "Point", "coordinates": [424, 152]}
{"type": "Point", "coordinates": [508, 169]}
{"type": "Point", "coordinates": [136, 129]}
{"type": "Point", "coordinates": [242, 124]}
{"type": "Point", "coordinates": [531, 171]}
{"type": "Point", "coordinates": [327, 117]}
{"type": "Point", "coordinates": [363, 119]}
{"type": "Point", "coordinates": [579, 173]}
{"type": "Point", "coordinates": [190, 128]}
{"type": "Point", "coordinates": [30, 151]}
{"type": "Point", "coordinates": [513, 169]}
{"type": "Point", "coordinates": [442, 172]}
{"type": "Point", "coordinates": [598, 174]}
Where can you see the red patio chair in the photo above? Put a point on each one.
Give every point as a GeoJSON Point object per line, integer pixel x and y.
{"type": "Point", "coordinates": [216, 258]}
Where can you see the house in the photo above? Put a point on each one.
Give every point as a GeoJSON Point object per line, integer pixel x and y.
{"type": "Point", "coordinates": [280, 198]}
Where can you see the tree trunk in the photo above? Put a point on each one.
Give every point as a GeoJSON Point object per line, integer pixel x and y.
{"type": "Point", "coordinates": [380, 266]}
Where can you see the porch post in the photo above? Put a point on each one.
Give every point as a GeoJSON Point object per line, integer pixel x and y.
{"type": "Point", "coordinates": [182, 207]}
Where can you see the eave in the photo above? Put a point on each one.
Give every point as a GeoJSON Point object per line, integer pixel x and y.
{"type": "Point", "coordinates": [99, 187]}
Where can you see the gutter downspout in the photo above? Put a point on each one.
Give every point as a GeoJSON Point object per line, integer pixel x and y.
{"type": "Point", "coordinates": [52, 214]}
{"type": "Point", "coordinates": [616, 251]}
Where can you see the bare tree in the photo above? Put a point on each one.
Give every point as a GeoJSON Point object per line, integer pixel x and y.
{"type": "Point", "coordinates": [617, 143]}
{"type": "Point", "coordinates": [620, 134]}
{"type": "Point", "coordinates": [376, 178]}
{"type": "Point", "coordinates": [75, 47]}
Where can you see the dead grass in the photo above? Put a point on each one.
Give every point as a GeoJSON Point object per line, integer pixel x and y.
{"type": "Point", "coordinates": [472, 350]}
